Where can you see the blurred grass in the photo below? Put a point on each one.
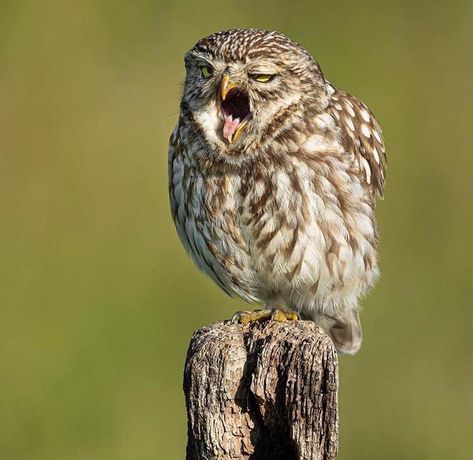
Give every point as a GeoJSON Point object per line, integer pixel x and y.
{"type": "Point", "coordinates": [98, 300]}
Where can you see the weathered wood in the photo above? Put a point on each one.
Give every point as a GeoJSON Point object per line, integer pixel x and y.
{"type": "Point", "coordinates": [262, 391]}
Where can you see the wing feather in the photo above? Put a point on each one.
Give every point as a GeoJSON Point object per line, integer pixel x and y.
{"type": "Point", "coordinates": [362, 136]}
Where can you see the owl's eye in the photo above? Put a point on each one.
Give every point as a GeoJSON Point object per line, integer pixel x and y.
{"type": "Point", "coordinates": [262, 77]}
{"type": "Point", "coordinates": [206, 71]}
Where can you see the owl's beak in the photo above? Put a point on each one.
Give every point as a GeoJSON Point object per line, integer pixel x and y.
{"type": "Point", "coordinates": [225, 86]}
{"type": "Point", "coordinates": [235, 109]}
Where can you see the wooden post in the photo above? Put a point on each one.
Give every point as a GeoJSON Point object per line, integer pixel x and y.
{"type": "Point", "coordinates": [262, 391]}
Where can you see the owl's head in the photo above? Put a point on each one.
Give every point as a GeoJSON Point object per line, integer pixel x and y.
{"type": "Point", "coordinates": [241, 85]}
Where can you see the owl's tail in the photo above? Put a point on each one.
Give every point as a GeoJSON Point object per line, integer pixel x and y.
{"type": "Point", "coordinates": [344, 328]}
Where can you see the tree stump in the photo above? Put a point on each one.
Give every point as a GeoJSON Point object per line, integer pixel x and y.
{"type": "Point", "coordinates": [262, 391]}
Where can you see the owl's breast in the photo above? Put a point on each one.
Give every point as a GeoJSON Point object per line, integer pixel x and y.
{"type": "Point", "coordinates": [303, 231]}
{"type": "Point", "coordinates": [205, 207]}
{"type": "Point", "coordinates": [310, 231]}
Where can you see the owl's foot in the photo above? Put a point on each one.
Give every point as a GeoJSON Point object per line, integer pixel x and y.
{"type": "Point", "coordinates": [245, 317]}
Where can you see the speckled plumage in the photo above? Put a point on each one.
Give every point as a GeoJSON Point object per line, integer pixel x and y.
{"type": "Point", "coordinates": [283, 214]}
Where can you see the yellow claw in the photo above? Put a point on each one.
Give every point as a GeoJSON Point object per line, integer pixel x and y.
{"type": "Point", "coordinates": [246, 317]}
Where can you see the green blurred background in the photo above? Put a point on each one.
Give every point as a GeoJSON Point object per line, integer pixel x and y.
{"type": "Point", "coordinates": [98, 299]}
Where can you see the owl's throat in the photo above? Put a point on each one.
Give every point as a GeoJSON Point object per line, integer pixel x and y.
{"type": "Point", "coordinates": [235, 112]}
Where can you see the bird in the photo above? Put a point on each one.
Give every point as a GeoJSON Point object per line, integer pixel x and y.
{"type": "Point", "coordinates": [274, 174]}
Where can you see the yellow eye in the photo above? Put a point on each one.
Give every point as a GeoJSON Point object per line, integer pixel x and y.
{"type": "Point", "coordinates": [206, 71]}
{"type": "Point", "coordinates": [262, 77]}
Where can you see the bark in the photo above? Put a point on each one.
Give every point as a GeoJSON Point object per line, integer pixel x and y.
{"type": "Point", "coordinates": [262, 391]}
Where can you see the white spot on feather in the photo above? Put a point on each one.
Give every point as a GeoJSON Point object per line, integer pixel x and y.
{"type": "Point", "coordinates": [376, 155]}
{"type": "Point", "coordinates": [365, 115]}
{"type": "Point", "coordinates": [350, 124]}
{"type": "Point", "coordinates": [366, 167]}
{"type": "Point", "coordinates": [324, 121]}
{"type": "Point", "coordinates": [349, 108]}
{"type": "Point", "coordinates": [314, 143]}
{"type": "Point", "coordinates": [258, 189]}
{"type": "Point", "coordinates": [378, 137]}
{"type": "Point", "coordinates": [268, 227]}
{"type": "Point", "coordinates": [366, 131]}
{"type": "Point", "coordinates": [330, 89]}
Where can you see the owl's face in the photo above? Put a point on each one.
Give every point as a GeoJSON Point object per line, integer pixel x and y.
{"type": "Point", "coordinates": [239, 83]}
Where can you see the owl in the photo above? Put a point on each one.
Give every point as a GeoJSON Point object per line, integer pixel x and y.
{"type": "Point", "coordinates": [273, 179]}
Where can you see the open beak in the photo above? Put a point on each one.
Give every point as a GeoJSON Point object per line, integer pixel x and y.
{"type": "Point", "coordinates": [234, 107]}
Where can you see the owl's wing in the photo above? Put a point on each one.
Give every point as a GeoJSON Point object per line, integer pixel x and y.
{"type": "Point", "coordinates": [362, 136]}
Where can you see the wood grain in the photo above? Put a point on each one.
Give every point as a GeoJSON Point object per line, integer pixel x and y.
{"type": "Point", "coordinates": [262, 391]}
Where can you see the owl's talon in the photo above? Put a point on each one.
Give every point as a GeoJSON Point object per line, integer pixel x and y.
{"type": "Point", "coordinates": [281, 315]}
{"type": "Point", "coordinates": [246, 317]}
{"type": "Point", "coordinates": [236, 317]}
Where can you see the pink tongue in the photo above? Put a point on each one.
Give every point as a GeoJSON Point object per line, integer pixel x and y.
{"type": "Point", "coordinates": [230, 126]}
